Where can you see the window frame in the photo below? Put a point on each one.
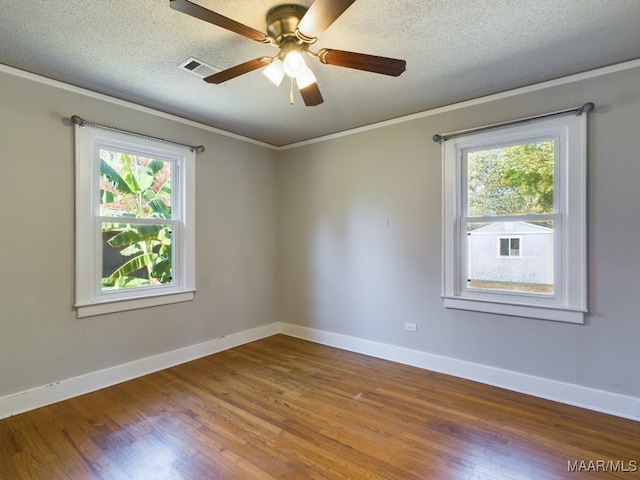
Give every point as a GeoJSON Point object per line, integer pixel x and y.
{"type": "Point", "coordinates": [569, 302]}
{"type": "Point", "coordinates": [90, 298]}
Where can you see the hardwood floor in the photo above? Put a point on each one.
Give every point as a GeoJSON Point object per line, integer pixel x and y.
{"type": "Point", "coordinates": [286, 408]}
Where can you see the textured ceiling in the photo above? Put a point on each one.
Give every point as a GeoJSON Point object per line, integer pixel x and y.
{"type": "Point", "coordinates": [455, 50]}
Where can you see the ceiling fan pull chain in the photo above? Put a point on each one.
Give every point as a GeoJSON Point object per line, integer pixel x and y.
{"type": "Point", "coordinates": [291, 93]}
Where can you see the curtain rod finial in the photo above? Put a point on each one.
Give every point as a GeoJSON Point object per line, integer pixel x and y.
{"type": "Point", "coordinates": [76, 120]}
{"type": "Point", "coordinates": [587, 107]}
{"type": "Point", "coordinates": [438, 138]}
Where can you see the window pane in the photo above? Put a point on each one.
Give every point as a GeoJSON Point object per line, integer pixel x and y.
{"type": "Point", "coordinates": [132, 186]}
{"type": "Point", "coordinates": [523, 264]}
{"type": "Point", "coordinates": [135, 255]}
{"type": "Point", "coordinates": [514, 247]}
{"type": "Point", "coordinates": [504, 247]}
{"type": "Point", "coordinates": [512, 180]}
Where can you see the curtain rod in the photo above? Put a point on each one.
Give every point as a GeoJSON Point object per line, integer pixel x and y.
{"type": "Point", "coordinates": [587, 107]}
{"type": "Point", "coordinates": [76, 120]}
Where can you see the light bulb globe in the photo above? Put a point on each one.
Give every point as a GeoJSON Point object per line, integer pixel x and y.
{"type": "Point", "coordinates": [275, 71]}
{"type": "Point", "coordinates": [306, 78]}
{"type": "Point", "coordinates": [294, 65]}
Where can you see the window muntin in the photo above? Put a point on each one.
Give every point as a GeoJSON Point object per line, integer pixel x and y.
{"type": "Point", "coordinates": [544, 198]}
{"type": "Point", "coordinates": [135, 237]}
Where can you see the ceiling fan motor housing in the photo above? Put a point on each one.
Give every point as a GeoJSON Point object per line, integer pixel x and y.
{"type": "Point", "coordinates": [283, 20]}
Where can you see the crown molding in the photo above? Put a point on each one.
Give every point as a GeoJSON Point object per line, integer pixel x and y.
{"type": "Point", "coordinates": [598, 72]}
{"type": "Point", "coordinates": [476, 101]}
{"type": "Point", "coordinates": [127, 104]}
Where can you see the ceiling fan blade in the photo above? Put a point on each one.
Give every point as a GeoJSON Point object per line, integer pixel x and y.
{"type": "Point", "coordinates": [362, 61]}
{"type": "Point", "coordinates": [185, 6]}
{"type": "Point", "coordinates": [321, 14]}
{"type": "Point", "coordinates": [238, 70]}
{"type": "Point", "coordinates": [311, 95]}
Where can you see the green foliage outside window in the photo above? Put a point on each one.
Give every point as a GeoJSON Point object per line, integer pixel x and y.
{"type": "Point", "coordinates": [133, 188]}
{"type": "Point", "coordinates": [511, 180]}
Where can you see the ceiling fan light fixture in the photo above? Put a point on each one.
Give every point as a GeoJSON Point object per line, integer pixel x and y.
{"type": "Point", "coordinates": [292, 29]}
{"type": "Point", "coordinates": [294, 65]}
{"type": "Point", "coordinates": [306, 78]}
{"type": "Point", "coordinates": [275, 71]}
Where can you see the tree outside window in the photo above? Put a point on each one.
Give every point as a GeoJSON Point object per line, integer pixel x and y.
{"type": "Point", "coordinates": [514, 220]}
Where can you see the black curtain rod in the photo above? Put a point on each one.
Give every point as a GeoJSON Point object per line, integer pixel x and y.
{"type": "Point", "coordinates": [76, 120]}
{"type": "Point", "coordinates": [587, 107]}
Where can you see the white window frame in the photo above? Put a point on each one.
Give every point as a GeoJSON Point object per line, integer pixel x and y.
{"type": "Point", "coordinates": [569, 302]}
{"type": "Point", "coordinates": [90, 297]}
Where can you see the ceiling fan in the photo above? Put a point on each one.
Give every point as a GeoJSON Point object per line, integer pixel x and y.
{"type": "Point", "coordinates": [293, 29]}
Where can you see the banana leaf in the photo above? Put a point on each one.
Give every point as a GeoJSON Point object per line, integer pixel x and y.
{"type": "Point", "coordinates": [134, 265]}
{"type": "Point", "coordinates": [140, 233]}
{"type": "Point", "coordinates": [129, 175]}
{"type": "Point", "coordinates": [155, 166]}
{"type": "Point", "coordinates": [107, 197]}
{"type": "Point", "coordinates": [114, 177]}
{"type": "Point", "coordinates": [160, 208]}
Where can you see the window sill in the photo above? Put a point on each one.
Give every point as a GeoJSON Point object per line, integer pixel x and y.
{"type": "Point", "coordinates": [555, 314]}
{"type": "Point", "coordinates": [113, 306]}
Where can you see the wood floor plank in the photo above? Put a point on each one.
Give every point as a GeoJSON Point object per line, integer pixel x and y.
{"type": "Point", "coordinates": [282, 407]}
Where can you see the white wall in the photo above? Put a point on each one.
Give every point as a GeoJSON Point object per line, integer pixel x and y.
{"type": "Point", "coordinates": [41, 341]}
{"type": "Point", "coordinates": [361, 241]}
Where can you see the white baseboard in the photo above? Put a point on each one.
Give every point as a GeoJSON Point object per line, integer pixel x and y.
{"type": "Point", "coordinates": [47, 394]}
{"type": "Point", "coordinates": [568, 393]}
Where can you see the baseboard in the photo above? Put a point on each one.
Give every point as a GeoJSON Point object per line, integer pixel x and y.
{"type": "Point", "coordinates": [47, 394]}
{"type": "Point", "coordinates": [567, 393]}
{"type": "Point", "coordinates": [571, 394]}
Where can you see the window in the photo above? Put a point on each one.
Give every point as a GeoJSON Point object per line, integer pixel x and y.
{"type": "Point", "coordinates": [509, 247]}
{"type": "Point", "coordinates": [514, 220]}
{"type": "Point", "coordinates": [135, 234]}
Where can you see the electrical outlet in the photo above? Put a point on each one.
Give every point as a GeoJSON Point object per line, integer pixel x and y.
{"type": "Point", "coordinates": [410, 327]}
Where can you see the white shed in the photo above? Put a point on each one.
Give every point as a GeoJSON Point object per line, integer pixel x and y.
{"type": "Point", "coordinates": [518, 252]}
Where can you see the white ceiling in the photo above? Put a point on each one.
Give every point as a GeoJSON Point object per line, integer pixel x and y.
{"type": "Point", "coordinates": [455, 50]}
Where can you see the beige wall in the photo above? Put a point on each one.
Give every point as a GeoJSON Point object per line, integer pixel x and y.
{"type": "Point", "coordinates": [41, 341]}
{"type": "Point", "coordinates": [361, 241]}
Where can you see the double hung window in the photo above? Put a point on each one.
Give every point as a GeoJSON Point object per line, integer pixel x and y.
{"type": "Point", "coordinates": [134, 222]}
{"type": "Point", "coordinates": [514, 220]}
